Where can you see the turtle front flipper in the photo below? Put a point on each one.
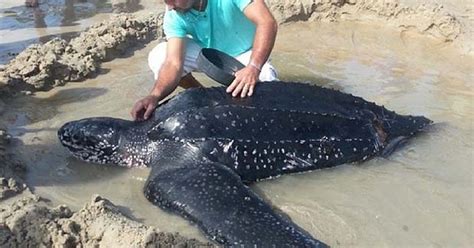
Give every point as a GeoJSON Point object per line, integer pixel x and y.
{"type": "Point", "coordinates": [227, 211]}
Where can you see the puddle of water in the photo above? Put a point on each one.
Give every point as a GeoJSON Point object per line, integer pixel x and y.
{"type": "Point", "coordinates": [419, 196]}
{"type": "Point", "coordinates": [21, 26]}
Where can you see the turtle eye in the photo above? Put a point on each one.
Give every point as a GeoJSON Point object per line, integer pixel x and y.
{"type": "Point", "coordinates": [75, 137]}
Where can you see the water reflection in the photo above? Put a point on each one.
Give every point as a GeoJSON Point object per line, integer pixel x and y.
{"type": "Point", "coordinates": [61, 12]}
{"type": "Point", "coordinates": [43, 15]}
{"type": "Point", "coordinates": [52, 13]}
{"type": "Point", "coordinates": [31, 3]}
{"type": "Point", "coordinates": [39, 18]}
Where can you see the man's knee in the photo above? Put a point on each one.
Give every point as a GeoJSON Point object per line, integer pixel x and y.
{"type": "Point", "coordinates": [156, 58]}
{"type": "Point", "coordinates": [268, 73]}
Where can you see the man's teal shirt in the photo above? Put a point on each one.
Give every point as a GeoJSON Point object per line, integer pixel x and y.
{"type": "Point", "coordinates": [222, 26]}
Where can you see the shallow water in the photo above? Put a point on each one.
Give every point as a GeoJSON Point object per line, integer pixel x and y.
{"type": "Point", "coordinates": [419, 196]}
{"type": "Point", "coordinates": [21, 26]}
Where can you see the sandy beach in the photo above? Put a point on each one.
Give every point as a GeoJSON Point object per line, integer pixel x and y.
{"type": "Point", "coordinates": [388, 45]}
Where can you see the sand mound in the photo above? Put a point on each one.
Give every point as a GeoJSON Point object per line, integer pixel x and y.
{"type": "Point", "coordinates": [431, 19]}
{"type": "Point", "coordinates": [41, 67]}
{"type": "Point", "coordinates": [28, 222]}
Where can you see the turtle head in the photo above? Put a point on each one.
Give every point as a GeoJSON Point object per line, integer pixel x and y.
{"type": "Point", "coordinates": [93, 139]}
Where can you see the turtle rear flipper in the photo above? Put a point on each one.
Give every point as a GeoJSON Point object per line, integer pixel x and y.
{"type": "Point", "coordinates": [400, 129]}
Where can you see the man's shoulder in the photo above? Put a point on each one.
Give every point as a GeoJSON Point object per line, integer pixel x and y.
{"type": "Point", "coordinates": [240, 4]}
{"type": "Point", "coordinates": [174, 18]}
{"type": "Point", "coordinates": [226, 5]}
{"type": "Point", "coordinates": [174, 24]}
{"type": "Point", "coordinates": [172, 14]}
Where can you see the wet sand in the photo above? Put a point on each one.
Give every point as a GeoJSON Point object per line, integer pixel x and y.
{"type": "Point", "coordinates": [419, 196]}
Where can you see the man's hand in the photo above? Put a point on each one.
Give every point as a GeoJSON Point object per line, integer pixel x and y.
{"type": "Point", "coordinates": [144, 108]}
{"type": "Point", "coordinates": [244, 82]}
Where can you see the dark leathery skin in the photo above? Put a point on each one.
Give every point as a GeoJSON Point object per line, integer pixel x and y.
{"type": "Point", "coordinates": [205, 147]}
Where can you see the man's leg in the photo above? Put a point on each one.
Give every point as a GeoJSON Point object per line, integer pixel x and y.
{"type": "Point", "coordinates": [268, 72]}
{"type": "Point", "coordinates": [157, 57]}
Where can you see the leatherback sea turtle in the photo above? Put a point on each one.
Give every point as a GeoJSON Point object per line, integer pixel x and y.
{"type": "Point", "coordinates": [205, 147]}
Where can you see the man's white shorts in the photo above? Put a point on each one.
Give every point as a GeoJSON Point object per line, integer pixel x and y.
{"type": "Point", "coordinates": [158, 54]}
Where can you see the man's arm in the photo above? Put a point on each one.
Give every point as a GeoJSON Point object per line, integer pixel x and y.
{"type": "Point", "coordinates": [265, 36]}
{"type": "Point", "coordinates": [167, 81]}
